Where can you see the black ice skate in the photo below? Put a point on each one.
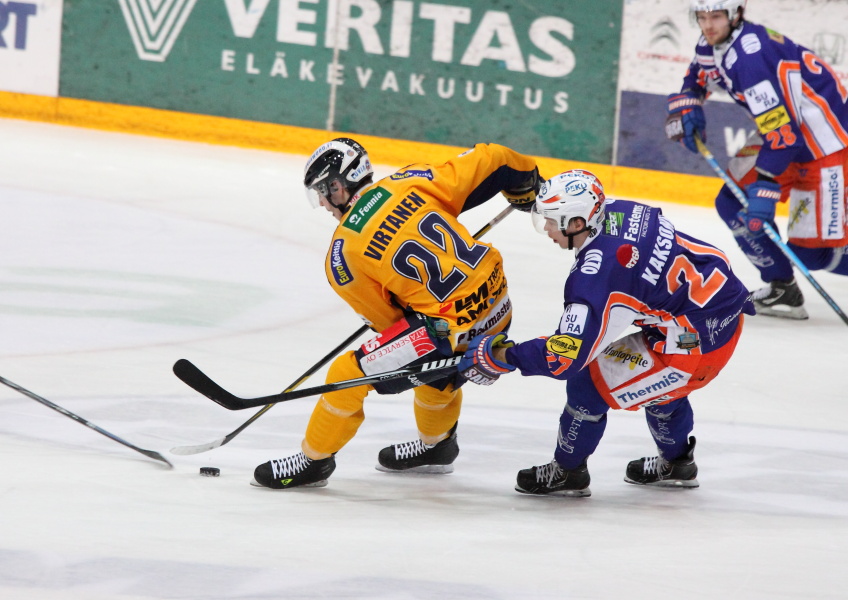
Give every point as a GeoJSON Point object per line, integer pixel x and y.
{"type": "Point", "coordinates": [658, 472]}
{"type": "Point", "coordinates": [294, 471]}
{"type": "Point", "coordinates": [553, 480]}
{"type": "Point", "coordinates": [418, 457]}
{"type": "Point", "coordinates": [780, 299]}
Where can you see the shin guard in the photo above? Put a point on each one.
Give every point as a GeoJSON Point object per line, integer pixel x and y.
{"type": "Point", "coordinates": [337, 415]}
{"type": "Point", "coordinates": [670, 426]}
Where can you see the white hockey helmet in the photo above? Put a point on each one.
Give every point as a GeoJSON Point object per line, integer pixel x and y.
{"type": "Point", "coordinates": [574, 193]}
{"type": "Point", "coordinates": [341, 159]}
{"type": "Point", "coordinates": [731, 6]}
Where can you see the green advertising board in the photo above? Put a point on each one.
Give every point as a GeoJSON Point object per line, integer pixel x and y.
{"type": "Point", "coordinates": [538, 76]}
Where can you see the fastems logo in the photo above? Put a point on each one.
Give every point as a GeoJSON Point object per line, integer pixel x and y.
{"type": "Point", "coordinates": [155, 25]}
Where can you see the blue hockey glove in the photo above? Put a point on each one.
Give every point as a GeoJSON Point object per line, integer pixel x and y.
{"type": "Point", "coordinates": [685, 119]}
{"type": "Point", "coordinates": [763, 197]}
{"type": "Point", "coordinates": [478, 364]}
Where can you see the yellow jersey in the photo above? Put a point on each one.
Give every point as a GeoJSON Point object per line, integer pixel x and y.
{"type": "Point", "coordinates": [400, 246]}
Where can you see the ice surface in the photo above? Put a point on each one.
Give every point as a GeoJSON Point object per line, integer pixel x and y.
{"type": "Point", "coordinates": [120, 254]}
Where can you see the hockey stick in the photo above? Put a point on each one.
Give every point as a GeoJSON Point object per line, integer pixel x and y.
{"type": "Point", "coordinates": [202, 383]}
{"type": "Point", "coordinates": [418, 375]}
{"type": "Point", "coordinates": [79, 419]}
{"type": "Point", "coordinates": [188, 450]}
{"type": "Point", "coordinates": [770, 232]}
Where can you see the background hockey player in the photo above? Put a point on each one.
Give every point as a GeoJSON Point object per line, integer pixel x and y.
{"type": "Point", "coordinates": [799, 106]}
{"type": "Point", "coordinates": [632, 268]}
{"type": "Point", "coordinates": [404, 263]}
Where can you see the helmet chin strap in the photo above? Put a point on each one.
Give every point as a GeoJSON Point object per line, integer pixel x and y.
{"type": "Point", "coordinates": [345, 205]}
{"type": "Point", "coordinates": [570, 236]}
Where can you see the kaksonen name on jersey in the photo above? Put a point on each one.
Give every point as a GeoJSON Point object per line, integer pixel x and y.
{"type": "Point", "coordinates": [659, 255]}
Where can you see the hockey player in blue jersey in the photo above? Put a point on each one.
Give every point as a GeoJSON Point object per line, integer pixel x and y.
{"type": "Point", "coordinates": [799, 154]}
{"type": "Point", "coordinates": [632, 268]}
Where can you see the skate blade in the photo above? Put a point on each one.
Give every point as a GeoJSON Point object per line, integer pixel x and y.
{"type": "Point", "coordinates": [423, 469]}
{"type": "Point", "coordinates": [585, 493]}
{"type": "Point", "coordinates": [797, 313]}
{"type": "Point", "coordinates": [668, 484]}
{"type": "Point", "coordinates": [321, 483]}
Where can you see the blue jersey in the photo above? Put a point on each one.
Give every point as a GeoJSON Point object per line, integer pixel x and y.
{"type": "Point", "coordinates": [796, 99]}
{"type": "Point", "coordinates": [639, 271]}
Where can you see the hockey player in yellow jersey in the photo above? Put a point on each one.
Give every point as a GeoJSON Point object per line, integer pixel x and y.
{"type": "Point", "coordinates": [403, 262]}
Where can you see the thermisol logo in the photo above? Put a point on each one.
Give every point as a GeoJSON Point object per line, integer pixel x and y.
{"type": "Point", "coordinates": [14, 23]}
{"type": "Point", "coordinates": [155, 25]}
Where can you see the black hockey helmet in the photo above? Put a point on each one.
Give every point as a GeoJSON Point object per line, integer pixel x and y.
{"type": "Point", "coordinates": [343, 160]}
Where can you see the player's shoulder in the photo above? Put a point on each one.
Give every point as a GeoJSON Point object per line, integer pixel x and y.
{"type": "Point", "coordinates": [763, 32]}
{"type": "Point", "coordinates": [628, 220]}
{"type": "Point", "coordinates": [754, 39]}
{"type": "Point", "coordinates": [415, 173]}
{"type": "Point", "coordinates": [631, 230]}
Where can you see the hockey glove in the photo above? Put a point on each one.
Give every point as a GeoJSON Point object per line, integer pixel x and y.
{"type": "Point", "coordinates": [479, 365]}
{"type": "Point", "coordinates": [763, 196]}
{"type": "Point", "coordinates": [685, 119]}
{"type": "Point", "coordinates": [524, 196]}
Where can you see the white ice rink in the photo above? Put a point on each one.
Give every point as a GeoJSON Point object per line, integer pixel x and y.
{"type": "Point", "coordinates": [122, 254]}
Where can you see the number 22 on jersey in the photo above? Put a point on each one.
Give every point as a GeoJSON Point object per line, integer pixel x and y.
{"type": "Point", "coordinates": [438, 263]}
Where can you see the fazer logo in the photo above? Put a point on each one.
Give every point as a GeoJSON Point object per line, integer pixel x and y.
{"type": "Point", "coordinates": [155, 25]}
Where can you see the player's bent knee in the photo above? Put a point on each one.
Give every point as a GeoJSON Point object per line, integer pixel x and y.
{"type": "Point", "coordinates": [582, 413]}
{"type": "Point", "coordinates": [343, 368]}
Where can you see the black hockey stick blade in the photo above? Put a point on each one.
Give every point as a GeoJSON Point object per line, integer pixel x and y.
{"type": "Point", "coordinates": [79, 419]}
{"type": "Point", "coordinates": [199, 448]}
{"type": "Point", "coordinates": [199, 381]}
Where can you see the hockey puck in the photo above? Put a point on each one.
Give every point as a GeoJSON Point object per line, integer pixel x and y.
{"type": "Point", "coordinates": [210, 471]}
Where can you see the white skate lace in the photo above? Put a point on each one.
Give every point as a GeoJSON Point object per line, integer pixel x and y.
{"type": "Point", "coordinates": [411, 449]}
{"type": "Point", "coordinates": [655, 464]}
{"type": "Point", "coordinates": [285, 467]}
{"type": "Point", "coordinates": [547, 473]}
{"type": "Point", "coordinates": [765, 292]}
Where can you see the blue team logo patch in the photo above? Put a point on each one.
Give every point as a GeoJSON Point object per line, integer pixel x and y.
{"type": "Point", "coordinates": [338, 265]}
{"type": "Point", "coordinates": [426, 174]}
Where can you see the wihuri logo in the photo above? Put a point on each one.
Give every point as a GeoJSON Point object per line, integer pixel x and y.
{"type": "Point", "coordinates": [155, 25]}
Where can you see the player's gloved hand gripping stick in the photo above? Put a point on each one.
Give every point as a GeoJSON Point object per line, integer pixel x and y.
{"type": "Point", "coordinates": [767, 228]}
{"type": "Point", "coordinates": [479, 365]}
